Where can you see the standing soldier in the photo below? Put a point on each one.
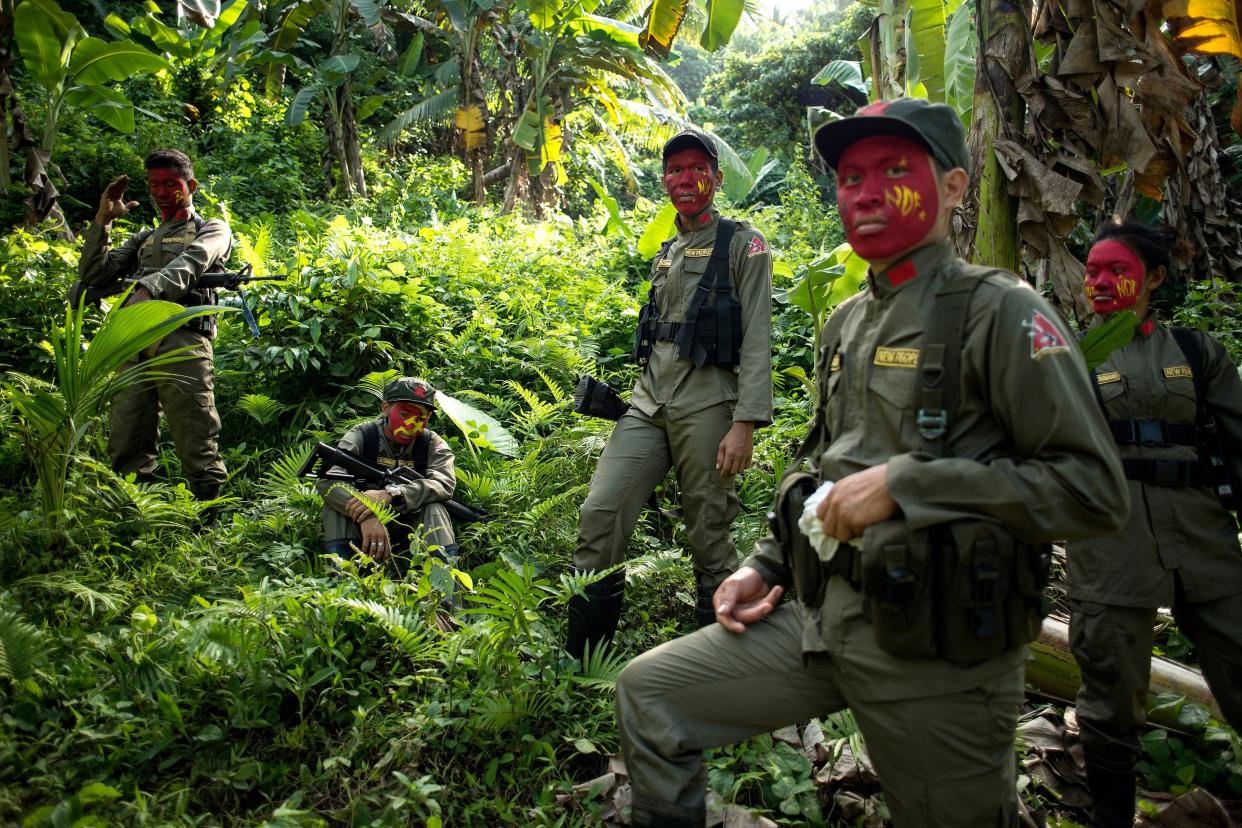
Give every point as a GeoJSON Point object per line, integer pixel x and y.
{"type": "Point", "coordinates": [1174, 404]}
{"type": "Point", "coordinates": [957, 422]}
{"type": "Point", "coordinates": [166, 263]}
{"type": "Point", "coordinates": [704, 345]}
{"type": "Point", "coordinates": [399, 437]}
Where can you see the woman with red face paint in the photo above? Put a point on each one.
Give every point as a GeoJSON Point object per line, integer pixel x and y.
{"type": "Point", "coordinates": [1179, 548]}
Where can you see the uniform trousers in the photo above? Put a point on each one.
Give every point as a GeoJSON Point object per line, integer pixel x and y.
{"type": "Point", "coordinates": [430, 526]}
{"type": "Point", "coordinates": [638, 455]}
{"type": "Point", "coordinates": [1112, 645]}
{"type": "Point", "coordinates": [944, 760]}
{"type": "Point", "coordinates": [186, 394]}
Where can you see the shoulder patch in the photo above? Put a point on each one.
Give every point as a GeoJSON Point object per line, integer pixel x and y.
{"type": "Point", "coordinates": [897, 357]}
{"type": "Point", "coordinates": [1105, 377]}
{"type": "Point", "coordinates": [756, 246]}
{"type": "Point", "coordinates": [1045, 338]}
{"type": "Point", "coordinates": [664, 263]}
{"type": "Point", "coordinates": [1176, 371]}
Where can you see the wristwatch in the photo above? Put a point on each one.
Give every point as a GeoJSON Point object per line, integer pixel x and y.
{"type": "Point", "coordinates": [395, 490]}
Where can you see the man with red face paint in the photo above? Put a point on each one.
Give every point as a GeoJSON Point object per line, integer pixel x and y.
{"type": "Point", "coordinates": [166, 264]}
{"type": "Point", "coordinates": [916, 612]}
{"type": "Point", "coordinates": [704, 346]}
{"type": "Point", "coordinates": [399, 437]}
{"type": "Point", "coordinates": [1180, 546]}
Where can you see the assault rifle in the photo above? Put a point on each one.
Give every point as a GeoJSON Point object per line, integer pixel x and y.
{"type": "Point", "coordinates": [211, 280]}
{"type": "Point", "coordinates": [361, 474]}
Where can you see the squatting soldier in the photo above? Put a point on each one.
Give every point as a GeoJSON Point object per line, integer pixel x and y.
{"type": "Point", "coordinates": [399, 436]}
{"type": "Point", "coordinates": [1173, 402]}
{"type": "Point", "coordinates": [704, 345]}
{"type": "Point", "coordinates": [167, 263]}
{"type": "Point", "coordinates": [962, 434]}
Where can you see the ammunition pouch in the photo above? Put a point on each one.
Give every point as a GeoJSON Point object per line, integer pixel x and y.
{"type": "Point", "coordinates": [965, 592]}
{"type": "Point", "coordinates": [801, 559]}
{"type": "Point", "coordinates": [596, 398]}
{"type": "Point", "coordinates": [205, 325]}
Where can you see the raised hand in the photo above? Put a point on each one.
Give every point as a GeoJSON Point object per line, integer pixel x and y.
{"type": "Point", "coordinates": [112, 203]}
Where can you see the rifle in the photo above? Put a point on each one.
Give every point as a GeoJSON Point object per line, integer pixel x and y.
{"type": "Point", "coordinates": [360, 473]}
{"type": "Point", "coordinates": [211, 280]}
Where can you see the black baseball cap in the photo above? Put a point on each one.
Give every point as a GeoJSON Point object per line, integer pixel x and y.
{"type": "Point", "coordinates": [934, 125]}
{"type": "Point", "coordinates": [691, 138]}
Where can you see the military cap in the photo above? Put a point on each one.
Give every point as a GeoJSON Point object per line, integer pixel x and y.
{"type": "Point", "coordinates": [410, 389]}
{"type": "Point", "coordinates": [935, 126]}
{"type": "Point", "coordinates": [691, 138]}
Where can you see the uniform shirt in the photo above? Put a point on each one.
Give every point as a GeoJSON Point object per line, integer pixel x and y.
{"type": "Point", "coordinates": [173, 256]}
{"type": "Point", "coordinates": [1183, 530]}
{"type": "Point", "coordinates": [1029, 447]}
{"type": "Point", "coordinates": [438, 486]}
{"type": "Point", "coordinates": [675, 383]}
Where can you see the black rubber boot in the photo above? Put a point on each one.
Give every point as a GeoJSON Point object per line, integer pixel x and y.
{"type": "Point", "coordinates": [652, 813]}
{"type": "Point", "coordinates": [204, 490]}
{"type": "Point", "coordinates": [704, 609]}
{"type": "Point", "coordinates": [593, 619]}
{"type": "Point", "coordinates": [1112, 784]}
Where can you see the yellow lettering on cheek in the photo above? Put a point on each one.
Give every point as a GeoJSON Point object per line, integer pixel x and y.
{"type": "Point", "coordinates": [1127, 287]}
{"type": "Point", "coordinates": [1090, 291]}
{"type": "Point", "coordinates": [904, 199]}
{"type": "Point", "coordinates": [702, 187]}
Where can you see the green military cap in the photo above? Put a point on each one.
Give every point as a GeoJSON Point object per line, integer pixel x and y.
{"type": "Point", "coordinates": [691, 138]}
{"type": "Point", "coordinates": [935, 126]}
{"type": "Point", "coordinates": [409, 389]}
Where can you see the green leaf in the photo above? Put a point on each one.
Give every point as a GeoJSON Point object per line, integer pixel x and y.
{"type": "Point", "coordinates": [163, 36]}
{"type": "Point", "coordinates": [338, 65]}
{"type": "Point", "coordinates": [368, 10]}
{"type": "Point", "coordinates": [542, 12]}
{"type": "Point", "coordinates": [844, 72]}
{"type": "Point", "coordinates": [96, 62]}
{"type": "Point", "coordinates": [436, 108]}
{"type": "Point", "coordinates": [616, 222]}
{"type": "Point", "coordinates": [722, 19]}
{"type": "Point", "coordinates": [98, 792]}
{"type": "Point", "coordinates": [663, 21]}
{"type": "Point", "coordinates": [370, 106]}
{"type": "Point", "coordinates": [106, 104]}
{"type": "Point", "coordinates": [662, 227]}
{"type": "Point", "coordinates": [481, 429]}
{"type": "Point", "coordinates": [526, 132]}
{"type": "Point", "coordinates": [409, 59]}
{"type": "Point", "coordinates": [300, 103]}
{"type": "Point", "coordinates": [1115, 332]}
{"type": "Point", "coordinates": [39, 44]}
{"type": "Point", "coordinates": [20, 646]}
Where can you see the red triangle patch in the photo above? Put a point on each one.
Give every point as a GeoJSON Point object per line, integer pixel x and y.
{"type": "Point", "coordinates": [1045, 338]}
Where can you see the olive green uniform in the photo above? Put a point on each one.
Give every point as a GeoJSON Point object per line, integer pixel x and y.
{"type": "Point", "coordinates": [1179, 549]}
{"type": "Point", "coordinates": [172, 258]}
{"type": "Point", "coordinates": [420, 506]}
{"type": "Point", "coordinates": [1029, 450]}
{"type": "Point", "coordinates": [679, 414]}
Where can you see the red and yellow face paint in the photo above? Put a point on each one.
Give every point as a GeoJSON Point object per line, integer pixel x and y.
{"type": "Point", "coordinates": [170, 192]}
{"type": "Point", "coordinates": [886, 195]}
{"type": "Point", "coordinates": [690, 183]}
{"type": "Point", "coordinates": [1114, 278]}
{"type": "Point", "coordinates": [406, 420]}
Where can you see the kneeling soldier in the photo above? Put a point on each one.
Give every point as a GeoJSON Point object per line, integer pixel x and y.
{"type": "Point", "coordinates": [399, 436]}
{"type": "Point", "coordinates": [958, 424]}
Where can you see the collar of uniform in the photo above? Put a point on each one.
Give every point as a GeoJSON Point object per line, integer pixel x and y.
{"type": "Point", "coordinates": [1147, 327]}
{"type": "Point", "coordinates": [920, 262]}
{"type": "Point", "coordinates": [707, 225]}
{"type": "Point", "coordinates": [189, 216]}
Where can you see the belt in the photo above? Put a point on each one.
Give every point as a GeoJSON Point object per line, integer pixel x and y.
{"type": "Point", "coordinates": [1173, 474]}
{"type": "Point", "coordinates": [664, 331]}
{"type": "Point", "coordinates": [1152, 433]}
{"type": "Point", "coordinates": [847, 563]}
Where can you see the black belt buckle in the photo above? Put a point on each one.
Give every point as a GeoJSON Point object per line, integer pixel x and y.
{"type": "Point", "coordinates": [1151, 433]}
{"type": "Point", "coordinates": [1170, 473]}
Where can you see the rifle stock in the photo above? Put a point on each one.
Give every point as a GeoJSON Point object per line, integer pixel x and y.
{"type": "Point", "coordinates": [359, 472]}
{"type": "Point", "coordinates": [211, 280]}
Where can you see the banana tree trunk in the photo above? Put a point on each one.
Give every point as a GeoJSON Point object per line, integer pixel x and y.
{"type": "Point", "coordinates": [998, 111]}
{"type": "Point", "coordinates": [351, 147]}
{"type": "Point", "coordinates": [1053, 672]}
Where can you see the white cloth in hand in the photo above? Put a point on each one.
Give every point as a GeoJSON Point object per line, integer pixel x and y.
{"type": "Point", "coordinates": [813, 527]}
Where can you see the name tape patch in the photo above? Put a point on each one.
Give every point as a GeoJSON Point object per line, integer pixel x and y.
{"type": "Point", "coordinates": [897, 357]}
{"type": "Point", "coordinates": [665, 263]}
{"type": "Point", "coordinates": [1175, 371]}
{"type": "Point", "coordinates": [698, 252]}
{"type": "Point", "coordinates": [1105, 377]}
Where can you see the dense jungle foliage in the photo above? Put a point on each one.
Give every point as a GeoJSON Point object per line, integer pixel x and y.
{"type": "Point", "coordinates": [157, 671]}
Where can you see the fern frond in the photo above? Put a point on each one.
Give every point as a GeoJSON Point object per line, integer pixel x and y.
{"type": "Point", "coordinates": [600, 668]}
{"type": "Point", "coordinates": [410, 632]}
{"type": "Point", "coordinates": [435, 108]}
{"type": "Point", "coordinates": [58, 582]}
{"type": "Point", "coordinates": [261, 408]}
{"type": "Point", "coordinates": [20, 645]}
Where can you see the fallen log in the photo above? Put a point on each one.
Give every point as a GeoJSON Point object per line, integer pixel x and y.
{"type": "Point", "coordinates": [1053, 672]}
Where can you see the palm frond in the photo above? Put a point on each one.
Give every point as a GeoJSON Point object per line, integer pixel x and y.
{"type": "Point", "coordinates": [432, 109]}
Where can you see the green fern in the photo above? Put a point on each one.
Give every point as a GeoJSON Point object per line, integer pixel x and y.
{"type": "Point", "coordinates": [261, 408]}
{"type": "Point", "coordinates": [600, 668]}
{"type": "Point", "coordinates": [414, 636]}
{"type": "Point", "coordinates": [20, 646]}
{"type": "Point", "coordinates": [58, 582]}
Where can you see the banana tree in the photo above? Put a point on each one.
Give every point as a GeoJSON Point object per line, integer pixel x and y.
{"type": "Point", "coordinates": [72, 70]}
{"type": "Point", "coordinates": [663, 20]}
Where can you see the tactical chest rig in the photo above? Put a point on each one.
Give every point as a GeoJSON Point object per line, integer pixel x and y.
{"type": "Point", "coordinates": [369, 450]}
{"type": "Point", "coordinates": [205, 325]}
{"type": "Point", "coordinates": [1211, 469]}
{"type": "Point", "coordinates": [712, 331]}
{"type": "Point", "coordinates": [963, 591]}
